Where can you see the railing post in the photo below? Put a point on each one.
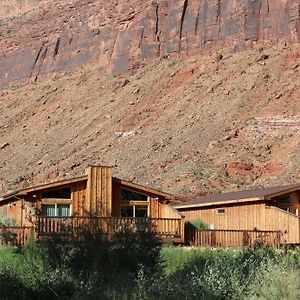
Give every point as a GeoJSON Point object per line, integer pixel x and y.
{"type": "Point", "coordinates": [245, 238]}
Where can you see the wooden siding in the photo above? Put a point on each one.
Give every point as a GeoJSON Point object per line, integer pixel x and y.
{"type": "Point", "coordinates": [81, 206]}
{"type": "Point", "coordinates": [246, 217]}
{"type": "Point", "coordinates": [14, 210]}
{"type": "Point", "coordinates": [277, 219]}
{"type": "Point", "coordinates": [79, 198]}
{"type": "Point", "coordinates": [166, 211]}
{"type": "Point", "coordinates": [99, 191]}
{"type": "Point", "coordinates": [295, 202]}
{"type": "Point", "coordinates": [257, 216]}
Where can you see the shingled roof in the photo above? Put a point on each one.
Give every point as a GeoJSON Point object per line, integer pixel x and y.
{"type": "Point", "coordinates": [240, 196]}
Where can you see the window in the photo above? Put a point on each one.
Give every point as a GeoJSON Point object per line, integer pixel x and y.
{"type": "Point", "coordinates": [56, 210]}
{"type": "Point", "coordinates": [220, 211]}
{"type": "Point", "coordinates": [64, 193]}
{"type": "Point", "coordinates": [134, 211]}
{"type": "Point", "coordinates": [127, 195]}
{"type": "Point", "coordinates": [141, 211]}
{"type": "Point", "coordinates": [127, 211]}
{"type": "Point", "coordinates": [284, 200]}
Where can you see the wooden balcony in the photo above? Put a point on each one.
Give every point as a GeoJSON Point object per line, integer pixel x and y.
{"type": "Point", "coordinates": [166, 229]}
{"type": "Point", "coordinates": [15, 235]}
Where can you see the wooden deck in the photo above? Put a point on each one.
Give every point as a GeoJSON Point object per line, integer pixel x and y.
{"type": "Point", "coordinates": [15, 236]}
{"type": "Point", "coordinates": [166, 229]}
{"type": "Point", "coordinates": [233, 238]}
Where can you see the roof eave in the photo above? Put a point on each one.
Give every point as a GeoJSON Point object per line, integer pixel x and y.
{"type": "Point", "coordinates": [143, 188]}
{"type": "Point", "coordinates": [291, 190]}
{"type": "Point", "coordinates": [253, 199]}
{"type": "Point", "coordinates": [24, 192]}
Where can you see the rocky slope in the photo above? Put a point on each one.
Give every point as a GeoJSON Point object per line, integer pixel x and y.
{"type": "Point", "coordinates": [192, 115]}
{"type": "Point", "coordinates": [215, 123]}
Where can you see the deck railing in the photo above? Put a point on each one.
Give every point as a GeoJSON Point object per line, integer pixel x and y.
{"type": "Point", "coordinates": [165, 228]}
{"type": "Point", "coordinates": [232, 238]}
{"type": "Point", "coordinates": [15, 235]}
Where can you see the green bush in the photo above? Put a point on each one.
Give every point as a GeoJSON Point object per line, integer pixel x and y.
{"type": "Point", "coordinates": [197, 223]}
{"type": "Point", "coordinates": [7, 221]}
{"type": "Point", "coordinates": [130, 267]}
{"type": "Point", "coordinates": [11, 285]}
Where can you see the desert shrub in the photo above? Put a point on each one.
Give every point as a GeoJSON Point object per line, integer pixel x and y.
{"type": "Point", "coordinates": [214, 274]}
{"type": "Point", "coordinates": [11, 285]}
{"type": "Point", "coordinates": [197, 224]}
{"type": "Point", "coordinates": [276, 281]}
{"type": "Point", "coordinates": [7, 220]}
{"type": "Point", "coordinates": [133, 249]}
{"type": "Point", "coordinates": [129, 267]}
{"type": "Point", "coordinates": [90, 264]}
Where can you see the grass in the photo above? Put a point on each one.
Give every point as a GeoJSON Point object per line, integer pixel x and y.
{"type": "Point", "coordinates": [181, 273]}
{"type": "Point", "coordinates": [176, 258]}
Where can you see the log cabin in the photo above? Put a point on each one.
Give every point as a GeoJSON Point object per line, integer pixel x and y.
{"type": "Point", "coordinates": [266, 209]}
{"type": "Point", "coordinates": [98, 195]}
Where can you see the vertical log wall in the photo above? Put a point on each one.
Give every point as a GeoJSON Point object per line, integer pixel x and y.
{"type": "Point", "coordinates": [99, 191]}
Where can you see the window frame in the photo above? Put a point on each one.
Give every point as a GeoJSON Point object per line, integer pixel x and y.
{"type": "Point", "coordinates": [133, 201]}
{"type": "Point", "coordinates": [133, 210]}
{"type": "Point", "coordinates": [220, 211]}
{"type": "Point", "coordinates": [56, 209]}
{"type": "Point", "coordinates": [58, 201]}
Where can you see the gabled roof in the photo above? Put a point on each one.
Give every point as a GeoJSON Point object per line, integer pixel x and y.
{"type": "Point", "coordinates": [58, 183]}
{"type": "Point", "coordinates": [142, 188]}
{"type": "Point", "coordinates": [43, 186]}
{"type": "Point", "coordinates": [240, 196]}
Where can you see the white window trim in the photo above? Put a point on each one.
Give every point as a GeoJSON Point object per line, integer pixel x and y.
{"type": "Point", "coordinates": [55, 207]}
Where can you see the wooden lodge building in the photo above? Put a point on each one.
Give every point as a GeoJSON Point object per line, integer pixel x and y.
{"type": "Point", "coordinates": [98, 195]}
{"type": "Point", "coordinates": [234, 219]}
{"type": "Point", "coordinates": [266, 209]}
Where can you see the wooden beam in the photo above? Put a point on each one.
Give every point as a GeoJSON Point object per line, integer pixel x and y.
{"type": "Point", "coordinates": [142, 188]}
{"type": "Point", "coordinates": [182, 206]}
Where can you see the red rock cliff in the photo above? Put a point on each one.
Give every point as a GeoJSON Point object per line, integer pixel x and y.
{"type": "Point", "coordinates": [122, 35]}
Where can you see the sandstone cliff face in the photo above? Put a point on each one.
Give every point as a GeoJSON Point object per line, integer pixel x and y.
{"type": "Point", "coordinates": [124, 36]}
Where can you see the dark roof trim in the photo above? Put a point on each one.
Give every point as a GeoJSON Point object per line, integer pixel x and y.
{"type": "Point", "coordinates": [24, 192]}
{"type": "Point", "coordinates": [240, 196]}
{"type": "Point", "coordinates": [142, 188]}
{"type": "Point", "coordinates": [43, 186]}
{"type": "Point", "coordinates": [217, 203]}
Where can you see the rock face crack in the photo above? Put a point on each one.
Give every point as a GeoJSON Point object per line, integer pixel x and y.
{"type": "Point", "coordinates": [38, 55]}
{"type": "Point", "coordinates": [184, 8]}
{"type": "Point", "coordinates": [157, 31]}
{"type": "Point", "coordinates": [218, 5]}
{"type": "Point", "coordinates": [170, 27]}
{"type": "Point", "coordinates": [113, 48]}
{"type": "Point", "coordinates": [56, 47]}
{"type": "Point", "coordinates": [36, 59]}
{"type": "Point", "coordinates": [197, 19]}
